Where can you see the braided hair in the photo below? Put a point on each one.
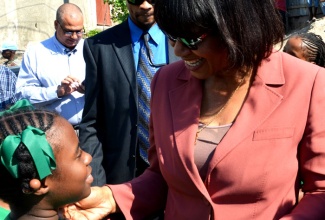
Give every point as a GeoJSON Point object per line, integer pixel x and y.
{"type": "Point", "coordinates": [11, 189]}
{"type": "Point", "coordinates": [314, 48]}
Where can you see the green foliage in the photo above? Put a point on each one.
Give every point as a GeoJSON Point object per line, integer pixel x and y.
{"type": "Point", "coordinates": [119, 10]}
{"type": "Point", "coordinates": [91, 33]}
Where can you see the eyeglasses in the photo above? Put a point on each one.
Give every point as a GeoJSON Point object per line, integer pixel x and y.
{"type": "Point", "coordinates": [190, 43]}
{"type": "Point", "coordinates": [69, 33]}
{"type": "Point", "coordinates": [139, 2]}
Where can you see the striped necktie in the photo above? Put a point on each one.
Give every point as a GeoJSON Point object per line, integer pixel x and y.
{"type": "Point", "coordinates": [145, 72]}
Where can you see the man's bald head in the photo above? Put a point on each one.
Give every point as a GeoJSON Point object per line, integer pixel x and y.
{"type": "Point", "coordinates": [67, 9]}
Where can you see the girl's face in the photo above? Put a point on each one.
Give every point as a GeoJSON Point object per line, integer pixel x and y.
{"type": "Point", "coordinates": [210, 57]}
{"type": "Point", "coordinates": [71, 180]}
{"type": "Point", "coordinates": [295, 47]}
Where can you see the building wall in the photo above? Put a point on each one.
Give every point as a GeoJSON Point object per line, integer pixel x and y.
{"type": "Point", "coordinates": [103, 12]}
{"type": "Point", "coordinates": [29, 21]}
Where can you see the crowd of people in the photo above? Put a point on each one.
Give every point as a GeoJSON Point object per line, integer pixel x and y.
{"type": "Point", "coordinates": [183, 111]}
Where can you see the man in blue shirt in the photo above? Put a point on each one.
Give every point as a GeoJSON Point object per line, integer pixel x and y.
{"type": "Point", "coordinates": [110, 127]}
{"type": "Point", "coordinates": [52, 71]}
{"type": "Point", "coordinates": [7, 87]}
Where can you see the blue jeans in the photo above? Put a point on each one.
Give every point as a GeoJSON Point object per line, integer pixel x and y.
{"type": "Point", "coordinates": [310, 3]}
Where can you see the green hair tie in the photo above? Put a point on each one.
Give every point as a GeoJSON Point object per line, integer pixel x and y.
{"type": "Point", "coordinates": [23, 103]}
{"type": "Point", "coordinates": [39, 148]}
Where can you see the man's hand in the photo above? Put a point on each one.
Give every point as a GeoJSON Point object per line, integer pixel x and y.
{"type": "Point", "coordinates": [68, 85]}
{"type": "Point", "coordinates": [97, 205]}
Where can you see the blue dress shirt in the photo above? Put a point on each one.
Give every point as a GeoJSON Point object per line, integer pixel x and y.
{"type": "Point", "coordinates": [157, 42]}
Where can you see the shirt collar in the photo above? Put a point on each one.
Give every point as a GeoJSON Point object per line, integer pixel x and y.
{"type": "Point", "coordinates": [62, 49]}
{"type": "Point", "coordinates": [155, 33]}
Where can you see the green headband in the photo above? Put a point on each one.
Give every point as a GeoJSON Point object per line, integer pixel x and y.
{"type": "Point", "coordinates": [23, 103]}
{"type": "Point", "coordinates": [36, 143]}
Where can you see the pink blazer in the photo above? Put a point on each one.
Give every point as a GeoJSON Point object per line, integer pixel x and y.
{"type": "Point", "coordinates": [277, 140]}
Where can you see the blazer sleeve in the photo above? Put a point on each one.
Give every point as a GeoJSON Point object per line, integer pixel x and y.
{"type": "Point", "coordinates": [89, 138]}
{"type": "Point", "coordinates": [312, 157]}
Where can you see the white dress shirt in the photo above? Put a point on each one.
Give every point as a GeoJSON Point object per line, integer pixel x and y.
{"type": "Point", "coordinates": [43, 68]}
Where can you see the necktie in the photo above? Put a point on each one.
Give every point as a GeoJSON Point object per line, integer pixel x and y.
{"type": "Point", "coordinates": [145, 71]}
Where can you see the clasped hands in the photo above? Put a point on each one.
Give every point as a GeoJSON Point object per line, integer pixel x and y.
{"type": "Point", "coordinates": [68, 85]}
{"type": "Point", "coordinates": [99, 204]}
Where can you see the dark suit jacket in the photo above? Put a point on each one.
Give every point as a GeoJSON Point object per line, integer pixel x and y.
{"type": "Point", "coordinates": [108, 130]}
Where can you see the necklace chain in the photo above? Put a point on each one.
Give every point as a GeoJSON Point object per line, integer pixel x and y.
{"type": "Point", "coordinates": [218, 113]}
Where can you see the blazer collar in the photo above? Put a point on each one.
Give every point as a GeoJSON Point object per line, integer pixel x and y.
{"type": "Point", "coordinates": [263, 98]}
{"type": "Point", "coordinates": [271, 70]}
{"type": "Point", "coordinates": [253, 113]}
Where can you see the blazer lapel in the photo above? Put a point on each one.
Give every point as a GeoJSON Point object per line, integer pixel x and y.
{"type": "Point", "coordinates": [185, 123]}
{"type": "Point", "coordinates": [261, 101]}
{"type": "Point", "coordinates": [253, 113]}
{"type": "Point", "coordinates": [123, 49]}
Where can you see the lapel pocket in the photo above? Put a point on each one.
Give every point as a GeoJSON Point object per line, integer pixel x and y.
{"type": "Point", "coordinates": [273, 133]}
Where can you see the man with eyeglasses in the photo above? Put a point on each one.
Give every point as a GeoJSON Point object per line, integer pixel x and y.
{"type": "Point", "coordinates": [53, 70]}
{"type": "Point", "coordinates": [111, 122]}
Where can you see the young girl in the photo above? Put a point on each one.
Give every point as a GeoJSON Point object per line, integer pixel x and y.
{"type": "Point", "coordinates": [307, 46]}
{"type": "Point", "coordinates": [42, 167]}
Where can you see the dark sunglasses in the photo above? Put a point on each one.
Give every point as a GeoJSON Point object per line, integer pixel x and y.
{"type": "Point", "coordinates": [190, 43]}
{"type": "Point", "coordinates": [139, 2]}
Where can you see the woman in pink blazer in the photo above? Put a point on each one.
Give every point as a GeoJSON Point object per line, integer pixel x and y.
{"type": "Point", "coordinates": [235, 126]}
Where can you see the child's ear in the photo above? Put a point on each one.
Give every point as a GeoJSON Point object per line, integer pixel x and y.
{"type": "Point", "coordinates": [38, 187]}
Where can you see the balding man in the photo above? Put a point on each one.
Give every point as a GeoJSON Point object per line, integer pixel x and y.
{"type": "Point", "coordinates": [52, 70]}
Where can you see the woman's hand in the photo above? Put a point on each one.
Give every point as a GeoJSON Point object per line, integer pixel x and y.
{"type": "Point", "coordinates": [97, 205]}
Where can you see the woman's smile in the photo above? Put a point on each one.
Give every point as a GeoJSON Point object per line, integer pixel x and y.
{"type": "Point", "coordinates": [194, 64]}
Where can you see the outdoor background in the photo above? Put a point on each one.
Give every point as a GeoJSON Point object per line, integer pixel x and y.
{"type": "Point", "coordinates": [28, 21]}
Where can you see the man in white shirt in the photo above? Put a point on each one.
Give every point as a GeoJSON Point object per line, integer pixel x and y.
{"type": "Point", "coordinates": [53, 70]}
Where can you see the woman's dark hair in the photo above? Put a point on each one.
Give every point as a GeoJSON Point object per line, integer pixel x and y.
{"type": "Point", "coordinates": [314, 48]}
{"type": "Point", "coordinates": [14, 123]}
{"type": "Point", "coordinates": [247, 28]}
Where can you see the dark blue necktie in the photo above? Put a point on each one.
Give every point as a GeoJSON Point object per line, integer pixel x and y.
{"type": "Point", "coordinates": [145, 72]}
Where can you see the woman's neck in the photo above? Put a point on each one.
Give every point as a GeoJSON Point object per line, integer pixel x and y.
{"type": "Point", "coordinates": [223, 96]}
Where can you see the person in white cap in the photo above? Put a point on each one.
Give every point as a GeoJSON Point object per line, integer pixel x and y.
{"type": "Point", "coordinates": [8, 51]}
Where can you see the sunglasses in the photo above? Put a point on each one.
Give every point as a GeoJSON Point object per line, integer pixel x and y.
{"type": "Point", "coordinates": [69, 33]}
{"type": "Point", "coordinates": [190, 43]}
{"type": "Point", "coordinates": [139, 2]}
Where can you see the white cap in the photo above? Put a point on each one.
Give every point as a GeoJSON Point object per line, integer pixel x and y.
{"type": "Point", "coordinates": [9, 46]}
